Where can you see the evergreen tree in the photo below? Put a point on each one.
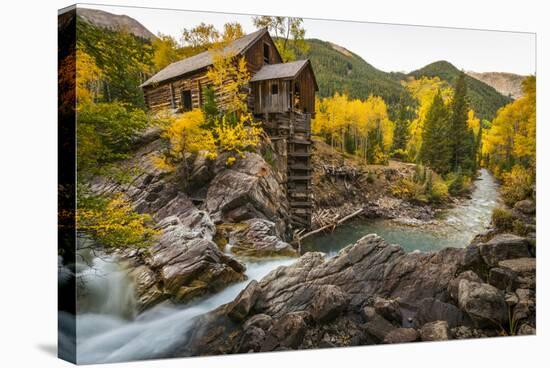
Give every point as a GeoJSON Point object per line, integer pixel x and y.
{"type": "Point", "coordinates": [462, 144]}
{"type": "Point", "coordinates": [435, 150]}
{"type": "Point", "coordinates": [401, 132]}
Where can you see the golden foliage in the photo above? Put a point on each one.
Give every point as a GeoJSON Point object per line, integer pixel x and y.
{"type": "Point", "coordinates": [88, 78]}
{"type": "Point", "coordinates": [189, 134]}
{"type": "Point", "coordinates": [114, 223]}
{"type": "Point", "coordinates": [359, 127]}
{"type": "Point", "coordinates": [231, 75]}
{"type": "Point", "coordinates": [511, 139]}
{"type": "Point", "coordinates": [424, 91]}
{"type": "Point", "coordinates": [186, 134]}
{"type": "Point", "coordinates": [237, 138]}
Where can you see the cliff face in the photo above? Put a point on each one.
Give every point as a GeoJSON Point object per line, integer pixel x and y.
{"type": "Point", "coordinates": [111, 21]}
{"type": "Point", "coordinates": [507, 84]}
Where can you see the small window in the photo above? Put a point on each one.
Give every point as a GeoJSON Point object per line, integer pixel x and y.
{"type": "Point", "coordinates": [274, 89]}
{"type": "Point", "coordinates": [186, 100]}
{"type": "Point", "coordinates": [267, 52]}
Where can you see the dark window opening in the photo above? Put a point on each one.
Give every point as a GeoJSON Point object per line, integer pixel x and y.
{"type": "Point", "coordinates": [186, 100]}
{"type": "Point", "coordinates": [274, 89]}
{"type": "Point", "coordinates": [266, 53]}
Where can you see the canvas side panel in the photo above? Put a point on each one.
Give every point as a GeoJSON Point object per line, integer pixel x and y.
{"type": "Point", "coordinates": [66, 156]}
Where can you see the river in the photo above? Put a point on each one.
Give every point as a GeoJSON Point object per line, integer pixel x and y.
{"type": "Point", "coordinates": [110, 330]}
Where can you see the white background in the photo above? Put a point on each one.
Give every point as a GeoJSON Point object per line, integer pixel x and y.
{"type": "Point", "coordinates": [28, 180]}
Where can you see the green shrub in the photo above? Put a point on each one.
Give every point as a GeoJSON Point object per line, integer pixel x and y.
{"type": "Point", "coordinates": [439, 191]}
{"type": "Point", "coordinates": [503, 219]}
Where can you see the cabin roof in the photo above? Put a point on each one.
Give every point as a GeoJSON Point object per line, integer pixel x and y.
{"type": "Point", "coordinates": [203, 59]}
{"type": "Point", "coordinates": [281, 71]}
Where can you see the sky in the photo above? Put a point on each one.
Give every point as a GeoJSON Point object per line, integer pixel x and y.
{"type": "Point", "coordinates": [388, 47]}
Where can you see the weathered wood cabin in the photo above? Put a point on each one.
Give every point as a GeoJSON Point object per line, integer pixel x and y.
{"type": "Point", "coordinates": [280, 95]}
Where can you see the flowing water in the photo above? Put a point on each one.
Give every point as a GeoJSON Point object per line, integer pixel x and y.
{"type": "Point", "coordinates": [110, 330]}
{"type": "Point", "coordinates": [455, 228]}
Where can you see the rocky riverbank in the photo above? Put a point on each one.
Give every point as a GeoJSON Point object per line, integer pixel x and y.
{"type": "Point", "coordinates": [342, 184]}
{"type": "Point", "coordinates": [372, 293]}
{"type": "Point", "coordinates": [201, 209]}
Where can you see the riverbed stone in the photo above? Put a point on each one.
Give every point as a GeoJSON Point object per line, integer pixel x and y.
{"type": "Point", "coordinates": [502, 278]}
{"type": "Point", "coordinates": [431, 310]}
{"type": "Point", "coordinates": [435, 331]}
{"type": "Point", "coordinates": [389, 309]}
{"type": "Point", "coordinates": [401, 335]}
{"type": "Point", "coordinates": [484, 303]}
{"type": "Point", "coordinates": [244, 302]}
{"type": "Point", "coordinates": [453, 284]}
{"type": "Point", "coordinates": [503, 247]}
{"type": "Point", "coordinates": [526, 206]}
{"type": "Point", "coordinates": [376, 325]}
{"type": "Point", "coordinates": [258, 238]}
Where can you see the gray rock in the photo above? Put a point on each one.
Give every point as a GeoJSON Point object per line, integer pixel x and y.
{"type": "Point", "coordinates": [327, 303]}
{"type": "Point", "coordinates": [526, 329]}
{"type": "Point", "coordinates": [520, 266]}
{"type": "Point", "coordinates": [431, 310]}
{"type": "Point", "coordinates": [288, 331]}
{"type": "Point", "coordinates": [388, 309]}
{"type": "Point", "coordinates": [435, 331]}
{"type": "Point", "coordinates": [524, 268]}
{"type": "Point", "coordinates": [401, 335]}
{"type": "Point", "coordinates": [146, 288]}
{"type": "Point", "coordinates": [258, 238]}
{"type": "Point", "coordinates": [502, 278]}
{"type": "Point", "coordinates": [251, 340]}
{"type": "Point", "coordinates": [194, 268]}
{"type": "Point", "coordinates": [526, 206]}
{"type": "Point", "coordinates": [503, 247]}
{"type": "Point", "coordinates": [466, 275]}
{"type": "Point", "coordinates": [376, 325]}
{"type": "Point", "coordinates": [484, 303]}
{"type": "Point", "coordinates": [262, 321]}
{"type": "Point", "coordinates": [239, 309]}
{"type": "Point", "coordinates": [525, 308]}
{"type": "Point", "coordinates": [511, 299]}
{"type": "Point", "coordinates": [249, 189]}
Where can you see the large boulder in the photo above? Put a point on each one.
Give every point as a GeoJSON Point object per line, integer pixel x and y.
{"type": "Point", "coordinates": [453, 285]}
{"type": "Point", "coordinates": [431, 310]}
{"type": "Point", "coordinates": [524, 269]}
{"type": "Point", "coordinates": [502, 247]}
{"type": "Point", "coordinates": [195, 268]}
{"type": "Point", "coordinates": [389, 309]}
{"type": "Point", "coordinates": [239, 309]}
{"type": "Point", "coordinates": [258, 238]}
{"type": "Point", "coordinates": [328, 302]}
{"type": "Point", "coordinates": [376, 326]}
{"type": "Point", "coordinates": [248, 189]}
{"type": "Point", "coordinates": [484, 303]}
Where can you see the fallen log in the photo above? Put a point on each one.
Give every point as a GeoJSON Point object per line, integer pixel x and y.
{"type": "Point", "coordinates": [333, 225]}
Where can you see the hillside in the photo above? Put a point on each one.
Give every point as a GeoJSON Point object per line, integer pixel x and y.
{"type": "Point", "coordinates": [507, 84]}
{"type": "Point", "coordinates": [114, 22]}
{"type": "Point", "coordinates": [484, 98]}
{"type": "Point", "coordinates": [340, 70]}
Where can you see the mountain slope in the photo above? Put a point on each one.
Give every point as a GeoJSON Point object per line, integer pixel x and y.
{"type": "Point", "coordinates": [114, 22]}
{"type": "Point", "coordinates": [340, 70]}
{"type": "Point", "coordinates": [507, 84]}
{"type": "Point", "coordinates": [485, 99]}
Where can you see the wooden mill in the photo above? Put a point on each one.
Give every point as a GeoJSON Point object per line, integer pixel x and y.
{"type": "Point", "coordinates": [280, 95]}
